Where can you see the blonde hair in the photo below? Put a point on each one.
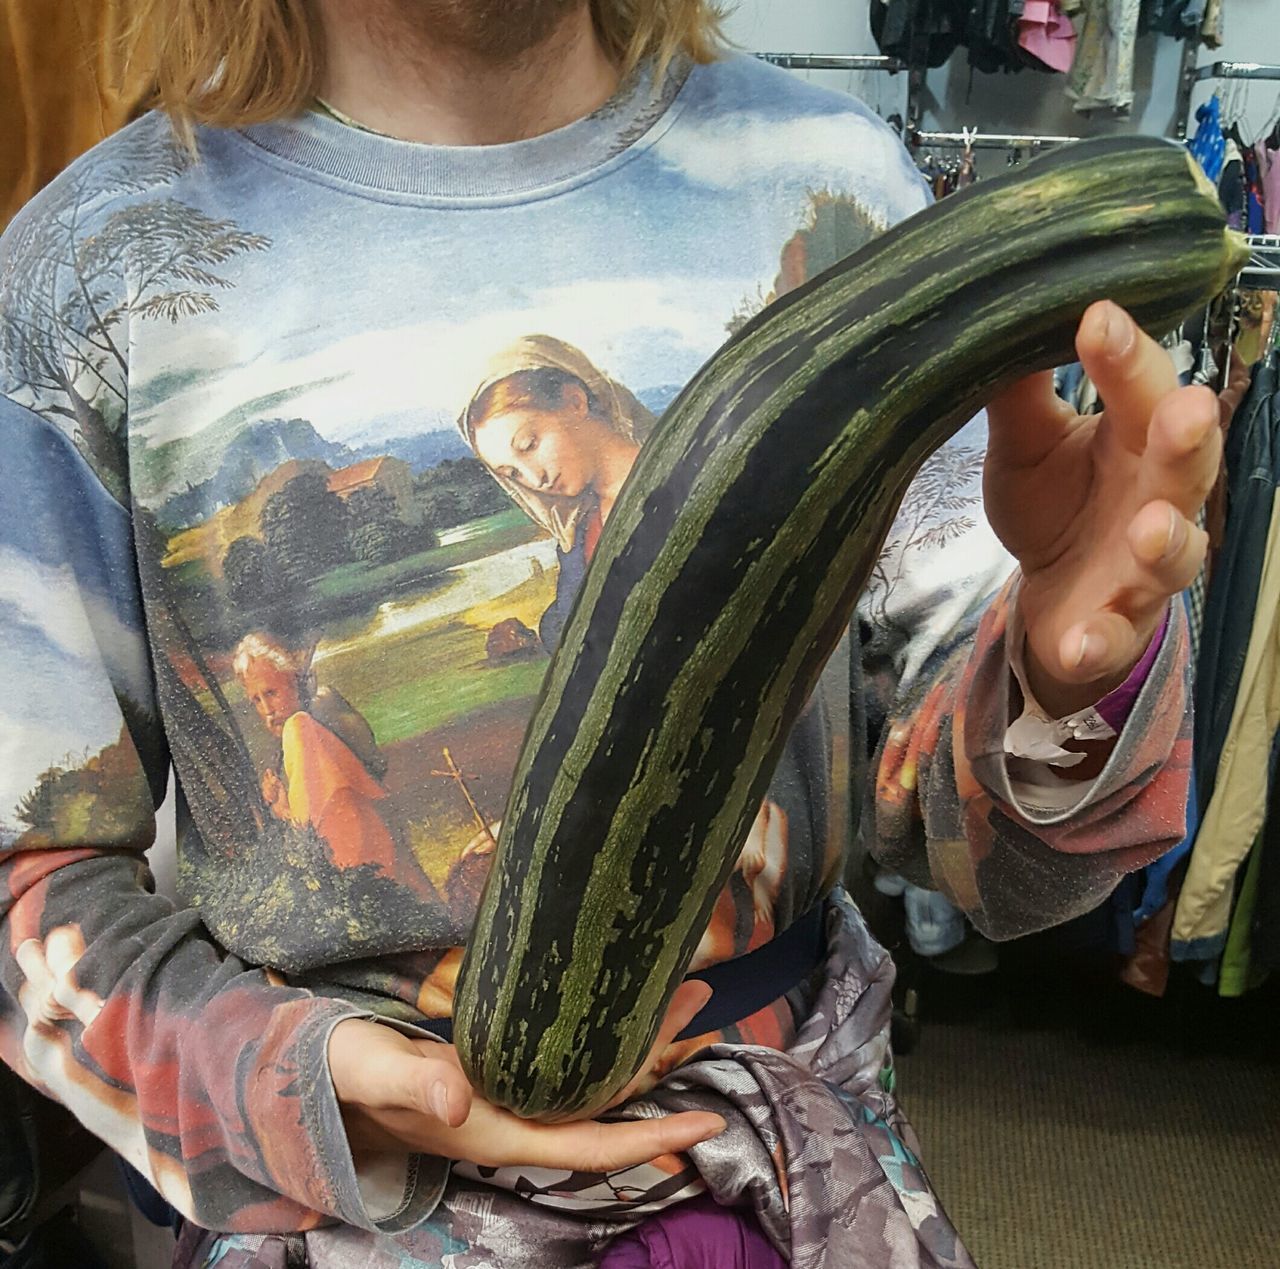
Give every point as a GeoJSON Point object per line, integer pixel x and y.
{"type": "Point", "coordinates": [231, 63]}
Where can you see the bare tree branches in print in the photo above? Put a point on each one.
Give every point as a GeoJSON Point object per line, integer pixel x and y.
{"type": "Point", "coordinates": [935, 511]}
{"type": "Point", "coordinates": [72, 280]}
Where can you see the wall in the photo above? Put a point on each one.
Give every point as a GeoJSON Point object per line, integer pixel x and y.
{"type": "Point", "coordinates": [1025, 102]}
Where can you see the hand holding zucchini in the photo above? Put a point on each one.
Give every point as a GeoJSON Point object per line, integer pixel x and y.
{"type": "Point", "coordinates": [731, 566]}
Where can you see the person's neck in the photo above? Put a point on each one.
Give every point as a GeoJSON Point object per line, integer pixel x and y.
{"type": "Point", "coordinates": [395, 80]}
{"type": "Point", "coordinates": [614, 465]}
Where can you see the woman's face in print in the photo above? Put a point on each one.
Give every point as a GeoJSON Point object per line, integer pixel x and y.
{"type": "Point", "coordinates": [549, 452]}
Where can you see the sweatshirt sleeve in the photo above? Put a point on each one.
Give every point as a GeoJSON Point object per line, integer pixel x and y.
{"type": "Point", "coordinates": [206, 1075]}
{"type": "Point", "coordinates": [1012, 843]}
{"type": "Point", "coordinates": [1009, 840]}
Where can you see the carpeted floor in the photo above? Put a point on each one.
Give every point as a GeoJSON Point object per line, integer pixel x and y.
{"type": "Point", "coordinates": [1072, 1126]}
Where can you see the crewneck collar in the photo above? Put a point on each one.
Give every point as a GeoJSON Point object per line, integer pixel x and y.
{"type": "Point", "coordinates": [326, 144]}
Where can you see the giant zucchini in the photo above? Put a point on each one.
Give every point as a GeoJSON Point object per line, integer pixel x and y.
{"type": "Point", "coordinates": [731, 566]}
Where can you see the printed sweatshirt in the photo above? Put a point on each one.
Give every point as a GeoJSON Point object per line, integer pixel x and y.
{"type": "Point", "coordinates": [309, 439]}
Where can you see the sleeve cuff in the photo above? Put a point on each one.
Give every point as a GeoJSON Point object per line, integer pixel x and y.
{"type": "Point", "coordinates": [1039, 738]}
{"type": "Point", "coordinates": [388, 1193]}
{"type": "Point", "coordinates": [308, 1148]}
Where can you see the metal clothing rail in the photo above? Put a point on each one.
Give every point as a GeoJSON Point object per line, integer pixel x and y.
{"type": "Point", "coordinates": [984, 140]}
{"type": "Point", "coordinates": [1263, 270]}
{"type": "Point", "coordinates": [1235, 70]}
{"type": "Point", "coordinates": [1191, 75]}
{"type": "Point", "coordinates": [834, 61]}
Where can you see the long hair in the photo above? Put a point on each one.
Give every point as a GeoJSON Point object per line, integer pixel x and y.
{"type": "Point", "coordinates": [231, 63]}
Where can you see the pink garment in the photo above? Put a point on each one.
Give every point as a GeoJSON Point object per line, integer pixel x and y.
{"type": "Point", "coordinates": [698, 1234]}
{"type": "Point", "coordinates": [1269, 181]}
{"type": "Point", "coordinates": [1047, 34]}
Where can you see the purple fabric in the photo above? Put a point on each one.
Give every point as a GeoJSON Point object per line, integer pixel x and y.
{"type": "Point", "coordinates": [699, 1234]}
{"type": "Point", "coordinates": [1115, 706]}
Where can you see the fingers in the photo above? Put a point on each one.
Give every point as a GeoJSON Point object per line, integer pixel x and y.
{"type": "Point", "coordinates": [1027, 421]}
{"type": "Point", "coordinates": [1131, 371]}
{"type": "Point", "coordinates": [1168, 551]}
{"type": "Point", "coordinates": [1184, 449]}
{"type": "Point", "coordinates": [375, 1067]}
{"type": "Point", "coordinates": [591, 1146]}
{"type": "Point", "coordinates": [607, 1147]}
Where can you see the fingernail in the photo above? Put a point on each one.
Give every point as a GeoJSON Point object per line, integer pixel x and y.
{"type": "Point", "coordinates": [1118, 332]}
{"type": "Point", "coordinates": [438, 1096]}
{"type": "Point", "coordinates": [1091, 649]}
{"type": "Point", "coordinates": [721, 1125]}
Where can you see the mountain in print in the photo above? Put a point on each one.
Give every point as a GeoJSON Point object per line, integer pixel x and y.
{"type": "Point", "coordinates": [262, 447]}
{"type": "Point", "coordinates": [254, 452]}
{"type": "Point", "coordinates": [422, 451]}
{"type": "Point", "coordinates": [656, 400]}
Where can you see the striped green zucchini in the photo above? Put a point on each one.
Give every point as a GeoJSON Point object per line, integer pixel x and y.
{"type": "Point", "coordinates": [731, 566]}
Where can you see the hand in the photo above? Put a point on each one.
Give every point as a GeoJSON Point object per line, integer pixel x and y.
{"type": "Point", "coordinates": [273, 793]}
{"type": "Point", "coordinates": [399, 1094]}
{"type": "Point", "coordinates": [1099, 509]}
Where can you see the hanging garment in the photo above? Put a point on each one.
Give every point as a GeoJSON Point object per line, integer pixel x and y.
{"type": "Point", "coordinates": [991, 36]}
{"type": "Point", "coordinates": [1232, 192]}
{"type": "Point", "coordinates": [1265, 941]}
{"type": "Point", "coordinates": [1181, 19]}
{"type": "Point", "coordinates": [1254, 216]}
{"type": "Point", "coordinates": [1238, 974]}
{"type": "Point", "coordinates": [1047, 34]}
{"type": "Point", "coordinates": [1234, 816]}
{"type": "Point", "coordinates": [1209, 145]}
{"type": "Point", "coordinates": [1147, 970]}
{"type": "Point", "coordinates": [933, 27]}
{"type": "Point", "coordinates": [1211, 28]}
{"type": "Point", "coordinates": [1268, 159]}
{"type": "Point", "coordinates": [1102, 77]}
{"type": "Point", "coordinates": [1233, 589]}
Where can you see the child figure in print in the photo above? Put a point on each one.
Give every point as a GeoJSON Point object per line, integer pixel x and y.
{"type": "Point", "coordinates": [326, 781]}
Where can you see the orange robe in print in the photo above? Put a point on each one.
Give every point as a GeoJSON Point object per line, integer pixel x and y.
{"type": "Point", "coordinates": [331, 789]}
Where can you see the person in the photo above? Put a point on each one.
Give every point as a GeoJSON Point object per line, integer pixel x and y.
{"type": "Point", "coordinates": [560, 437]}
{"type": "Point", "coordinates": [336, 208]}
{"type": "Point", "coordinates": [327, 781]}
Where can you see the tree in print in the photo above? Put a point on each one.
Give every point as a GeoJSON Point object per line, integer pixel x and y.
{"type": "Point", "coordinates": [247, 570]}
{"type": "Point", "coordinates": [64, 329]}
{"type": "Point", "coordinates": [305, 527]}
{"type": "Point", "coordinates": [835, 226]}
{"type": "Point", "coordinates": [375, 524]}
{"type": "Point", "coordinates": [101, 798]}
{"type": "Point", "coordinates": [935, 511]}
{"type": "Point", "coordinates": [206, 738]}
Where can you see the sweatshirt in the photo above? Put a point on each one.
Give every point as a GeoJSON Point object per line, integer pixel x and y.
{"type": "Point", "coordinates": [309, 437]}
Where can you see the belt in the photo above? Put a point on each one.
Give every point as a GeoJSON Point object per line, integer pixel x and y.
{"type": "Point", "coordinates": [744, 985]}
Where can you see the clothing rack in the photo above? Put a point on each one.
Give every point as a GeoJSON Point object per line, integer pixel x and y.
{"type": "Point", "coordinates": [1235, 70]}
{"type": "Point", "coordinates": [1263, 270]}
{"type": "Point", "coordinates": [1192, 75]}
{"type": "Point", "coordinates": [858, 62]}
{"type": "Point", "coordinates": [974, 140]}
{"type": "Point", "coordinates": [834, 61]}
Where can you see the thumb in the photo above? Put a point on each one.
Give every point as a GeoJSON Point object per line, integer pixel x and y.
{"type": "Point", "coordinates": [380, 1069]}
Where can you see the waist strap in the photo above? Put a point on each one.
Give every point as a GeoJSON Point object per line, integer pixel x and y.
{"type": "Point", "coordinates": [741, 986]}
